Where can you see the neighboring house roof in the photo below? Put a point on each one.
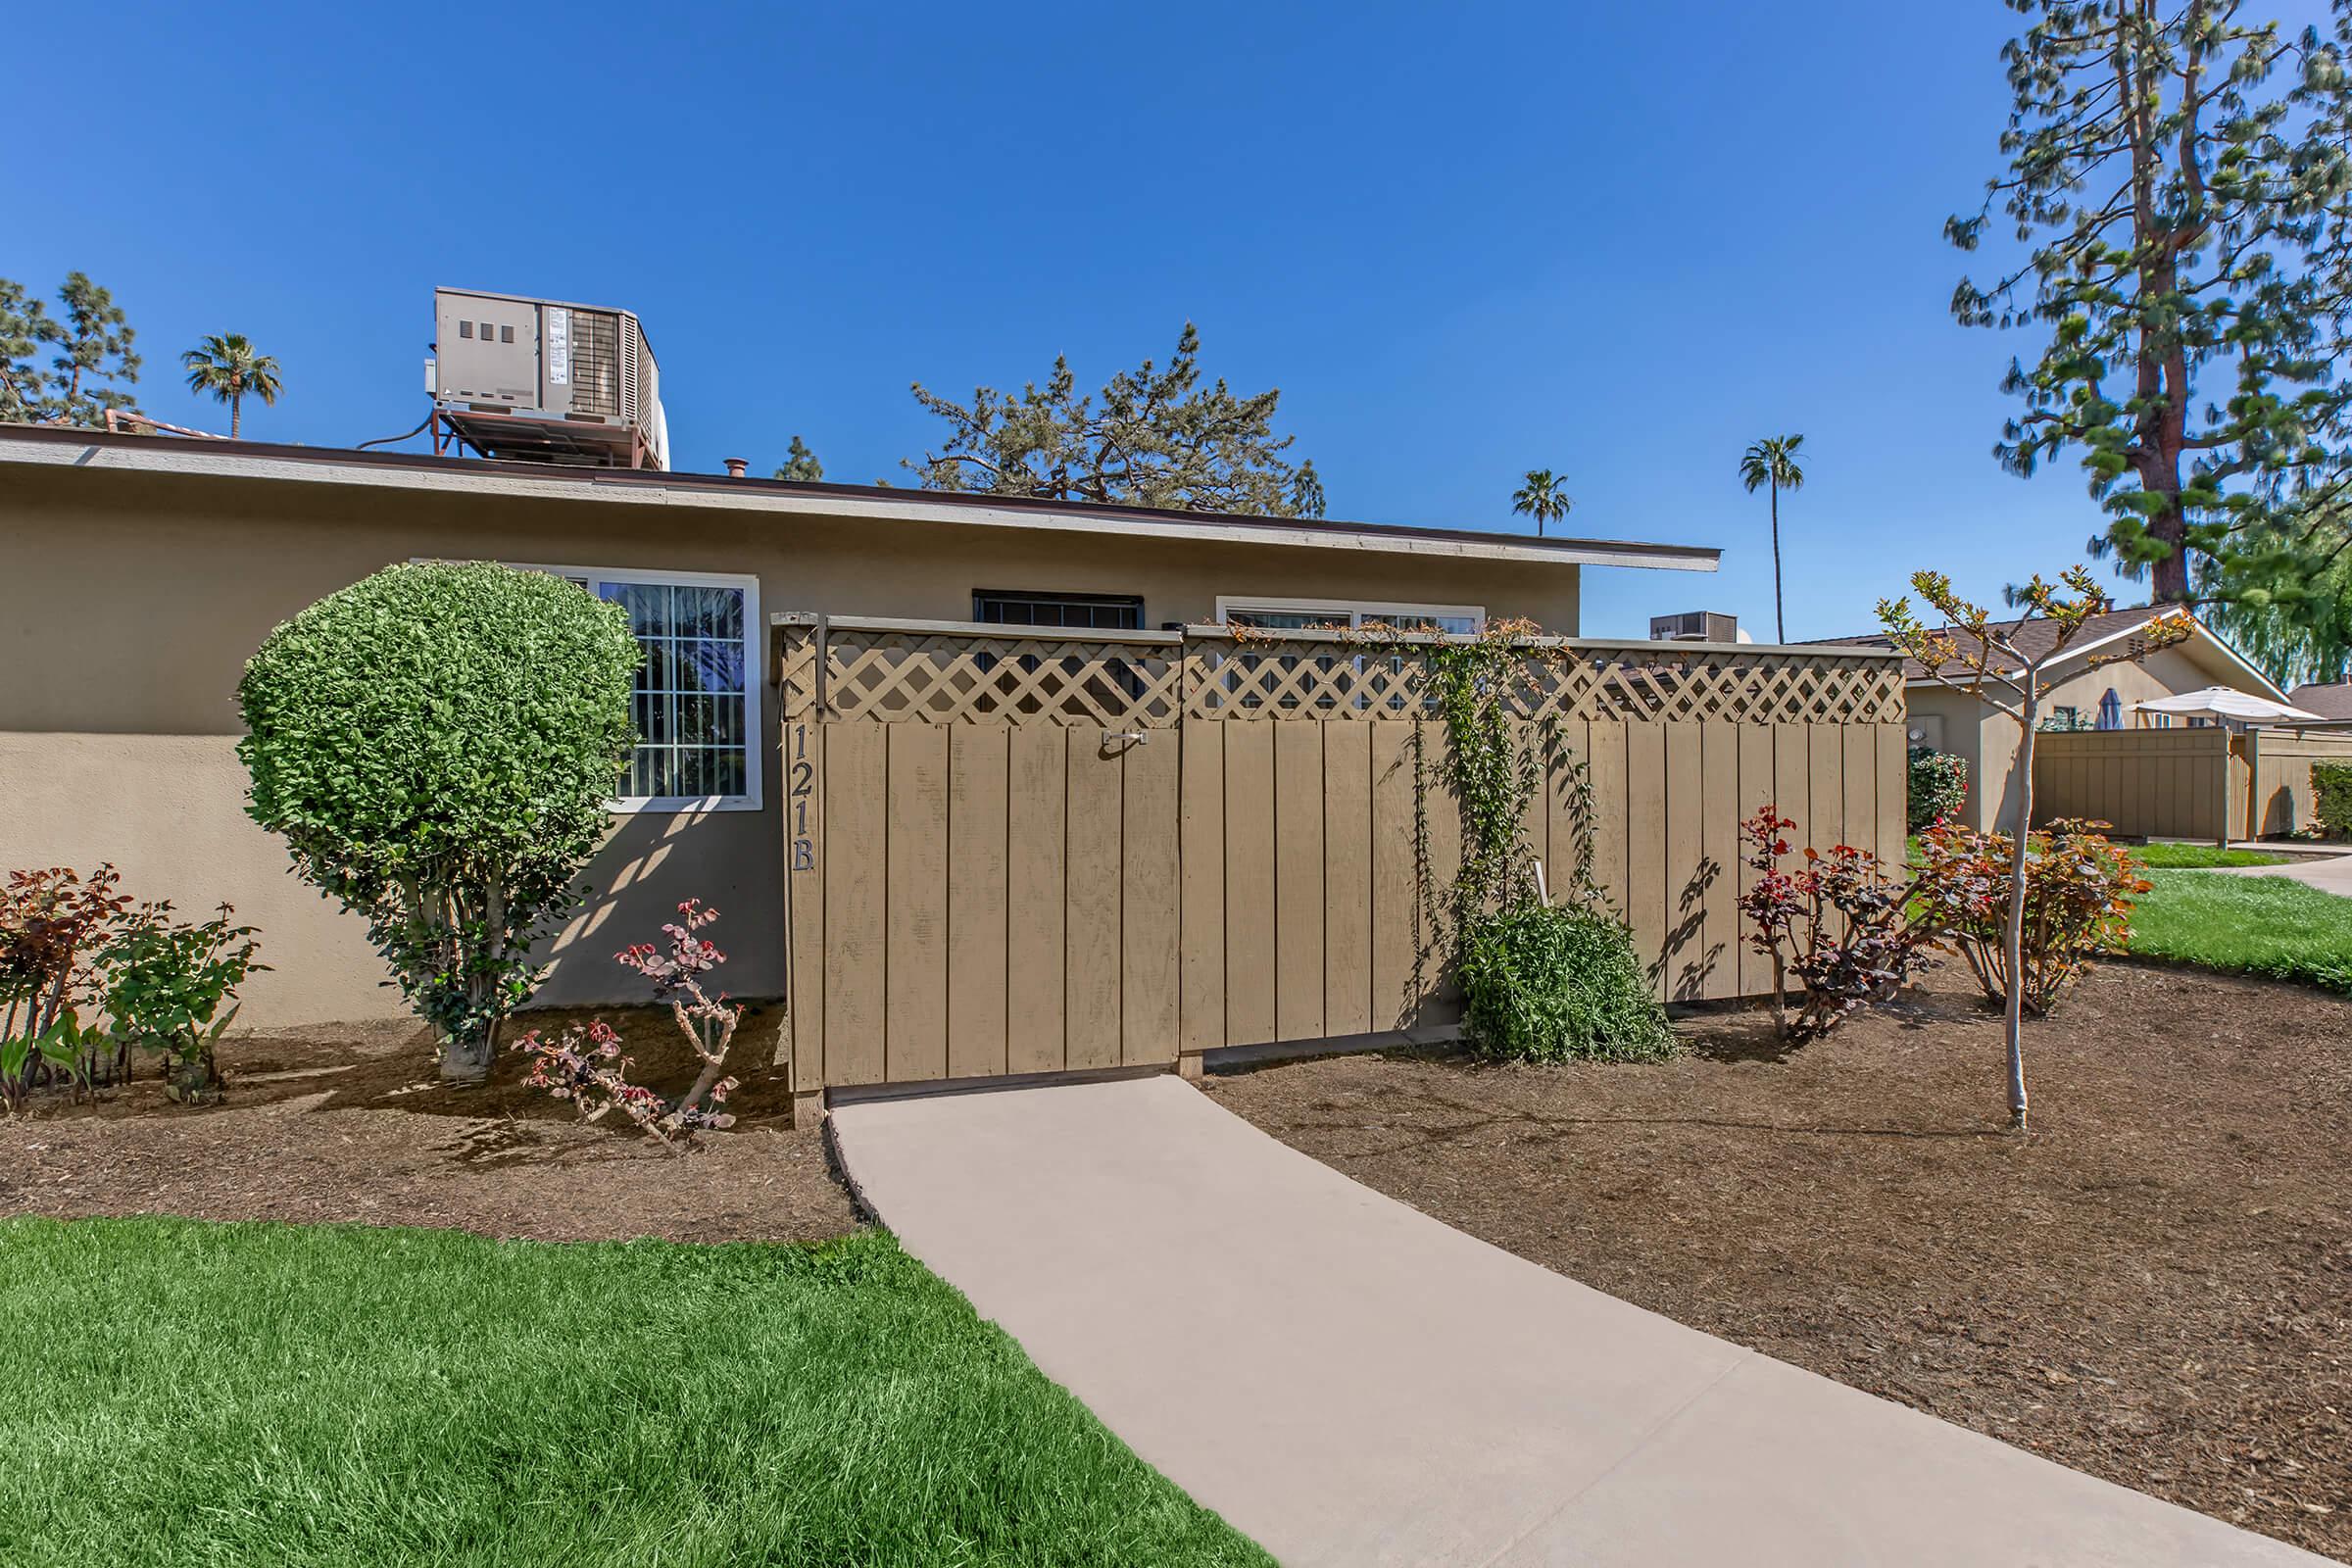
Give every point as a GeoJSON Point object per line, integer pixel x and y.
{"type": "Point", "coordinates": [2329, 700]}
{"type": "Point", "coordinates": [2035, 636]}
{"type": "Point", "coordinates": [254, 460]}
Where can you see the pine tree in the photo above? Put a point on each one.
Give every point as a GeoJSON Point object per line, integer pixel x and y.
{"type": "Point", "coordinates": [1151, 438]}
{"type": "Point", "coordinates": [92, 344]}
{"type": "Point", "coordinates": [2179, 183]}
{"type": "Point", "coordinates": [800, 465]}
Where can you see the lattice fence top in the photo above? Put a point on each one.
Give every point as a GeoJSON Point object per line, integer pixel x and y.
{"type": "Point", "coordinates": [911, 672]}
{"type": "Point", "coordinates": [1303, 676]}
{"type": "Point", "coordinates": [950, 672]}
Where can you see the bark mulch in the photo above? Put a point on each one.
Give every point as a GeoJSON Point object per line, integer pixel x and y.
{"type": "Point", "coordinates": [356, 1128]}
{"type": "Point", "coordinates": [2155, 1286]}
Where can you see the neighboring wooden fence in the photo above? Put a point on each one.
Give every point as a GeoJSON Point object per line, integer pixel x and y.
{"type": "Point", "coordinates": [1011, 850]}
{"type": "Point", "coordinates": [2147, 783]}
{"type": "Point", "coordinates": [2201, 783]}
{"type": "Point", "coordinates": [2279, 768]}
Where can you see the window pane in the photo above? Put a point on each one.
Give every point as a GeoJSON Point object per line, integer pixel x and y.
{"type": "Point", "coordinates": [709, 666]}
{"type": "Point", "coordinates": [647, 604]}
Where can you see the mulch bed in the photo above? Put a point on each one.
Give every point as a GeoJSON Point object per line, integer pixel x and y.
{"type": "Point", "coordinates": [2155, 1286]}
{"type": "Point", "coordinates": [357, 1128]}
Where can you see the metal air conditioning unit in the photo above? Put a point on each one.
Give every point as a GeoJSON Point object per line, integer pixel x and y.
{"type": "Point", "coordinates": [545, 381]}
{"type": "Point", "coordinates": [1695, 626]}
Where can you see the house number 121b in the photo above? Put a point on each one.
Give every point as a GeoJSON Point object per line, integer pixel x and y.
{"type": "Point", "coordinates": [804, 785]}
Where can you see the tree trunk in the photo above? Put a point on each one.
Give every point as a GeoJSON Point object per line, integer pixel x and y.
{"type": "Point", "coordinates": [468, 1061]}
{"type": "Point", "coordinates": [1780, 620]}
{"type": "Point", "coordinates": [236, 414]}
{"type": "Point", "coordinates": [2013, 939]}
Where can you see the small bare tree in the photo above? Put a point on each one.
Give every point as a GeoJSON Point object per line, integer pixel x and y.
{"type": "Point", "coordinates": [1971, 651]}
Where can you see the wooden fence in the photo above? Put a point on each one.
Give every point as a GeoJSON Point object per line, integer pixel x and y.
{"type": "Point", "coordinates": [1016, 851]}
{"type": "Point", "coordinates": [2185, 783]}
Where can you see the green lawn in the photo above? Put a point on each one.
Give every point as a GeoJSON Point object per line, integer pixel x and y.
{"type": "Point", "coordinates": [2265, 925]}
{"type": "Point", "coordinates": [178, 1393]}
{"type": "Point", "coordinates": [2195, 857]}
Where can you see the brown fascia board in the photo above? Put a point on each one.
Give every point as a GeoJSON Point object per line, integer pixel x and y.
{"type": "Point", "coordinates": [912, 503]}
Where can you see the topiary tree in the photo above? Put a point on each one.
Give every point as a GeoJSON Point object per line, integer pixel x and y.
{"type": "Point", "coordinates": [437, 745]}
{"type": "Point", "coordinates": [1938, 789]}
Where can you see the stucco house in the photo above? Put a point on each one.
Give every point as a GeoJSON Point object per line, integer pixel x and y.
{"type": "Point", "coordinates": [2086, 695]}
{"type": "Point", "coordinates": [141, 572]}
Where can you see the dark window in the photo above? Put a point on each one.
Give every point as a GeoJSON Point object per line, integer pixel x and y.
{"type": "Point", "coordinates": [465, 330]}
{"type": "Point", "coordinates": [506, 334]}
{"type": "Point", "coordinates": [1089, 611]}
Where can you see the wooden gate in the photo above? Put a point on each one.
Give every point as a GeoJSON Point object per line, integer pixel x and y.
{"type": "Point", "coordinates": [1017, 851]}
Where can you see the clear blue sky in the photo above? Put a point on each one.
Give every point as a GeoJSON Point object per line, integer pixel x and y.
{"type": "Point", "coordinates": [1619, 241]}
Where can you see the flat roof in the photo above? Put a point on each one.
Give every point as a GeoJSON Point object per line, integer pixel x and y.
{"type": "Point", "coordinates": [256, 460]}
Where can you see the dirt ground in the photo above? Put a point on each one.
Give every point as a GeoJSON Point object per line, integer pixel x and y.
{"type": "Point", "coordinates": [357, 1128]}
{"type": "Point", "coordinates": [2155, 1286]}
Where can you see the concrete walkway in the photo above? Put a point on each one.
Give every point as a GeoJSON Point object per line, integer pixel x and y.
{"type": "Point", "coordinates": [1351, 1383]}
{"type": "Point", "coordinates": [2330, 873]}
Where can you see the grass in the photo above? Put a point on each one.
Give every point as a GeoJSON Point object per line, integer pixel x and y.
{"type": "Point", "coordinates": [2199, 857]}
{"type": "Point", "coordinates": [180, 1392]}
{"type": "Point", "coordinates": [2262, 925]}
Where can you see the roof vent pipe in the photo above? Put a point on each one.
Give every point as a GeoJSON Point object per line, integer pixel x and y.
{"type": "Point", "coordinates": [736, 466]}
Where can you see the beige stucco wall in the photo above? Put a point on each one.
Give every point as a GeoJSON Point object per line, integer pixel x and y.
{"type": "Point", "coordinates": [133, 601]}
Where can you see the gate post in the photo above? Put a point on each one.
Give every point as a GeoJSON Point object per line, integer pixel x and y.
{"type": "Point", "coordinates": [800, 686]}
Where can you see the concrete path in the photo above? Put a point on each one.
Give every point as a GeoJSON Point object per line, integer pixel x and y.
{"type": "Point", "coordinates": [1351, 1383]}
{"type": "Point", "coordinates": [2330, 873]}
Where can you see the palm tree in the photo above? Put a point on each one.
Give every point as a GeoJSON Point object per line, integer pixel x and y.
{"type": "Point", "coordinates": [226, 366]}
{"type": "Point", "coordinates": [1540, 498]}
{"type": "Point", "coordinates": [1773, 461]}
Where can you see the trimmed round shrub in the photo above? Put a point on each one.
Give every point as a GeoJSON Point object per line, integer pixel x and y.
{"type": "Point", "coordinates": [1938, 788]}
{"type": "Point", "coordinates": [1556, 983]}
{"type": "Point", "coordinates": [437, 745]}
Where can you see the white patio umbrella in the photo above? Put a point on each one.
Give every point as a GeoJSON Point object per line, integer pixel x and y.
{"type": "Point", "coordinates": [2224, 702]}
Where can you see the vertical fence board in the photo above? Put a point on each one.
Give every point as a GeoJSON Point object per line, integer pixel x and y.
{"type": "Point", "coordinates": [1202, 1004]}
{"type": "Point", "coordinates": [1036, 808]}
{"type": "Point", "coordinates": [1828, 825]}
{"type": "Point", "coordinates": [1792, 780]}
{"type": "Point", "coordinates": [857, 799]}
{"type": "Point", "coordinates": [1719, 857]}
{"type": "Point", "coordinates": [1347, 877]}
{"type": "Point", "coordinates": [978, 759]}
{"type": "Point", "coordinates": [1607, 740]}
{"type": "Point", "coordinates": [1299, 880]}
{"type": "Point", "coordinates": [1091, 989]}
{"type": "Point", "coordinates": [1249, 881]}
{"type": "Point", "coordinates": [1394, 894]}
{"type": "Point", "coordinates": [1860, 783]}
{"type": "Point", "coordinates": [1148, 914]}
{"type": "Point", "coordinates": [1535, 823]}
{"type": "Point", "coordinates": [1444, 857]}
{"type": "Point", "coordinates": [1892, 756]}
{"type": "Point", "coordinates": [1757, 788]}
{"type": "Point", "coordinates": [805, 847]}
{"type": "Point", "coordinates": [1647, 901]}
{"type": "Point", "coordinates": [1567, 747]}
{"type": "Point", "coordinates": [915, 1012]}
{"type": "Point", "coordinates": [1684, 953]}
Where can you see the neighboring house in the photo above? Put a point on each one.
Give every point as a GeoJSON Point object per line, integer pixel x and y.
{"type": "Point", "coordinates": [141, 574]}
{"type": "Point", "coordinates": [2083, 696]}
{"type": "Point", "coordinates": [2331, 699]}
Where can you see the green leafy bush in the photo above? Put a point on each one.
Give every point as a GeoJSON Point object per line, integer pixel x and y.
{"type": "Point", "coordinates": [2331, 791]}
{"type": "Point", "coordinates": [166, 981]}
{"type": "Point", "coordinates": [437, 745]}
{"type": "Point", "coordinates": [1552, 983]}
{"type": "Point", "coordinates": [1938, 787]}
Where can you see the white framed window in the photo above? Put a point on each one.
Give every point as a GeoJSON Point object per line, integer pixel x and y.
{"type": "Point", "coordinates": [1290, 614]}
{"type": "Point", "coordinates": [697, 698]}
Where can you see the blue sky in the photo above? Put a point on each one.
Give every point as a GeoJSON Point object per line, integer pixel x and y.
{"type": "Point", "coordinates": [1618, 241]}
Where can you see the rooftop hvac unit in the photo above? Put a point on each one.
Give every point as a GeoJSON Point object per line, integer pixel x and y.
{"type": "Point", "coordinates": [1695, 626]}
{"type": "Point", "coordinates": [545, 381]}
